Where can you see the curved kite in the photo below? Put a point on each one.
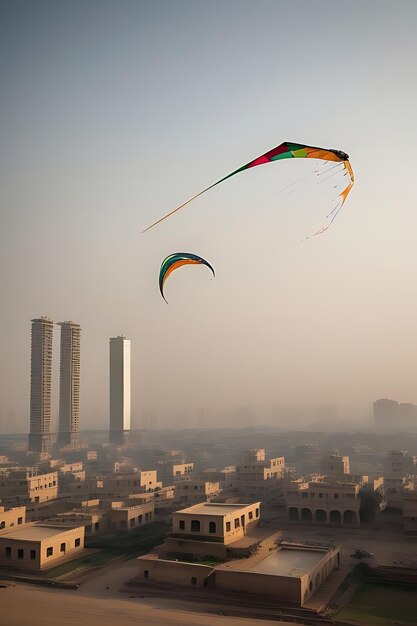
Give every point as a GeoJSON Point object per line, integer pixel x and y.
{"type": "Point", "coordinates": [287, 150]}
{"type": "Point", "coordinates": [174, 261]}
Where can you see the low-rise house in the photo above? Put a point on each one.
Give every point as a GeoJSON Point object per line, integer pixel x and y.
{"type": "Point", "coordinates": [323, 503]}
{"type": "Point", "coordinates": [12, 517]}
{"type": "Point", "coordinates": [208, 528]}
{"type": "Point", "coordinates": [188, 492]}
{"type": "Point", "coordinates": [130, 517]}
{"type": "Point", "coordinates": [29, 486]}
{"type": "Point", "coordinates": [40, 546]}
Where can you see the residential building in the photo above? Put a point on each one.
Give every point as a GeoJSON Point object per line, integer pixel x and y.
{"type": "Point", "coordinates": [188, 492]}
{"type": "Point", "coordinates": [335, 465]}
{"type": "Point", "coordinates": [69, 388]}
{"type": "Point", "coordinates": [324, 503]}
{"type": "Point", "coordinates": [131, 517]}
{"type": "Point", "coordinates": [120, 396]}
{"type": "Point", "coordinates": [12, 517]}
{"type": "Point", "coordinates": [40, 546]}
{"type": "Point", "coordinates": [132, 482]}
{"type": "Point", "coordinates": [40, 385]}
{"type": "Point", "coordinates": [29, 486]}
{"type": "Point", "coordinates": [209, 528]}
{"type": "Point", "coordinates": [169, 470]}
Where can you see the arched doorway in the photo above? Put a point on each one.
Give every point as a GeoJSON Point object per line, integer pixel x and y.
{"type": "Point", "coordinates": [293, 514]}
{"type": "Point", "coordinates": [335, 517]}
{"type": "Point", "coordinates": [306, 515]}
{"type": "Point", "coordinates": [321, 516]}
{"type": "Point", "coordinates": [349, 517]}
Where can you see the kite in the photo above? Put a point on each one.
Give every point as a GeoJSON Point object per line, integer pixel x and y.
{"type": "Point", "coordinates": [288, 150]}
{"type": "Point", "coordinates": [174, 261]}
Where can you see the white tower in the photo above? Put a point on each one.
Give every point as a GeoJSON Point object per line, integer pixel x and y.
{"type": "Point", "coordinates": [119, 389]}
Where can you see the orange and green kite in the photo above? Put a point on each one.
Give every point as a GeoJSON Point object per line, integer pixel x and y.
{"type": "Point", "coordinates": [174, 261]}
{"type": "Point", "coordinates": [287, 150]}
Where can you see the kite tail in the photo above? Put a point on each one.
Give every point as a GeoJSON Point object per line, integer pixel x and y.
{"type": "Point", "coordinates": [161, 219]}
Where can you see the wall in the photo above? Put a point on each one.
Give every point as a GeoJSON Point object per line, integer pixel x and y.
{"type": "Point", "coordinates": [195, 548]}
{"type": "Point", "coordinates": [174, 572]}
{"type": "Point", "coordinates": [12, 517]}
{"type": "Point", "coordinates": [282, 588]}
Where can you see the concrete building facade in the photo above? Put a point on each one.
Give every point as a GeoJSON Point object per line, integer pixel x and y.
{"type": "Point", "coordinates": [120, 393]}
{"type": "Point", "coordinates": [69, 388]}
{"type": "Point", "coordinates": [188, 492]}
{"type": "Point", "coordinates": [40, 546]}
{"type": "Point", "coordinates": [12, 517]}
{"type": "Point", "coordinates": [215, 522]}
{"type": "Point", "coordinates": [29, 486]}
{"type": "Point", "coordinates": [40, 384]}
{"type": "Point", "coordinates": [324, 503]}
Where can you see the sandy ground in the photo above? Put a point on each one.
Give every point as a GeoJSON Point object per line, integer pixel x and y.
{"type": "Point", "coordinates": [92, 604]}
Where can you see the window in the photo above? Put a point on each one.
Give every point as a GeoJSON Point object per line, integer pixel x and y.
{"type": "Point", "coordinates": [250, 514]}
{"type": "Point", "coordinates": [195, 526]}
{"type": "Point", "coordinates": [20, 520]}
{"type": "Point", "coordinates": [181, 524]}
{"type": "Point", "coordinates": [33, 554]}
{"type": "Point", "coordinates": [8, 552]}
{"type": "Point", "coordinates": [49, 551]}
{"type": "Point", "coordinates": [96, 525]}
{"type": "Point", "coordinates": [257, 513]}
{"type": "Point", "coordinates": [336, 495]}
{"type": "Point", "coordinates": [140, 519]}
{"type": "Point", "coordinates": [2, 524]}
{"type": "Point", "coordinates": [228, 526]}
{"type": "Point", "coordinates": [237, 523]}
{"type": "Point", "coordinates": [212, 527]}
{"type": "Point", "coordinates": [20, 553]}
{"type": "Point", "coordinates": [193, 580]}
{"type": "Point", "coordinates": [77, 543]}
{"type": "Point", "coordinates": [146, 573]}
{"type": "Point", "coordinates": [62, 547]}
{"type": "Point", "coordinates": [320, 495]}
{"type": "Point", "coordinates": [304, 494]}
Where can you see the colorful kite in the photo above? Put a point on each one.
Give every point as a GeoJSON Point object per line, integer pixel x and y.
{"type": "Point", "coordinates": [288, 150]}
{"type": "Point", "coordinates": [173, 262]}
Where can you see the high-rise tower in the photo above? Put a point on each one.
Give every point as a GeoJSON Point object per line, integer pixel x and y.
{"type": "Point", "coordinates": [69, 384]}
{"type": "Point", "coordinates": [119, 389]}
{"type": "Point", "coordinates": [40, 384]}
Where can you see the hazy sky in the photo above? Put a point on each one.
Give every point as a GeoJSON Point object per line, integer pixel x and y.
{"type": "Point", "coordinates": [112, 113]}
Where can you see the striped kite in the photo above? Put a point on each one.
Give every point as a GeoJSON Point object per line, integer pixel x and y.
{"type": "Point", "coordinates": [174, 261]}
{"type": "Point", "coordinates": [288, 150]}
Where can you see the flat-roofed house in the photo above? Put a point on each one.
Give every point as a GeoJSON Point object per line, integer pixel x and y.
{"type": "Point", "coordinates": [12, 517]}
{"type": "Point", "coordinates": [324, 503]}
{"type": "Point", "coordinates": [208, 528]}
{"type": "Point", "coordinates": [40, 546]}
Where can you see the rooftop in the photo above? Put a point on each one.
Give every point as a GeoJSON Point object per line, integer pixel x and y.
{"type": "Point", "coordinates": [294, 562]}
{"type": "Point", "coordinates": [214, 508]}
{"type": "Point", "coordinates": [35, 533]}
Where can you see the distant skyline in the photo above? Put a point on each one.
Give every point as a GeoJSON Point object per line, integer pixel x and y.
{"type": "Point", "coordinates": [113, 113]}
